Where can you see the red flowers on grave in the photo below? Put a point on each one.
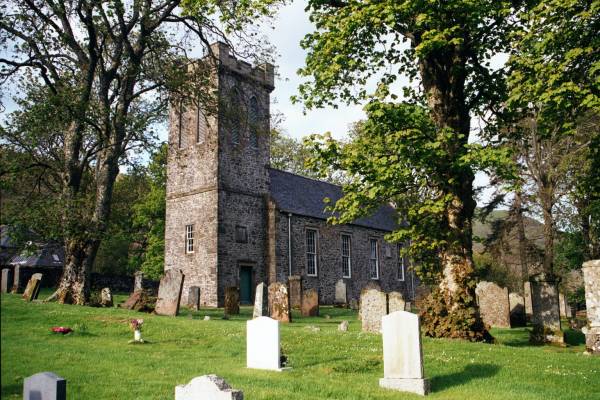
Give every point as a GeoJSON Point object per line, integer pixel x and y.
{"type": "Point", "coordinates": [61, 329]}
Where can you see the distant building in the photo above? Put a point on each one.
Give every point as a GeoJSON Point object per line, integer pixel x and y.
{"type": "Point", "coordinates": [232, 220]}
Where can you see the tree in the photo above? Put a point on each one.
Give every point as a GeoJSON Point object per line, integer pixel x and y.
{"type": "Point", "coordinates": [109, 65]}
{"type": "Point", "coordinates": [417, 155]}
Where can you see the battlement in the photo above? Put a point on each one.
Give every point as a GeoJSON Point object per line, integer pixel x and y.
{"type": "Point", "coordinates": [263, 73]}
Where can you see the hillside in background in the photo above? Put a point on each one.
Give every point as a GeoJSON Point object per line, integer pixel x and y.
{"type": "Point", "coordinates": [534, 231]}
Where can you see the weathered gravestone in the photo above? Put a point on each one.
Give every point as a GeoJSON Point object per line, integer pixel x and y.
{"type": "Point", "coordinates": [527, 298]}
{"type": "Point", "coordinates": [343, 326]}
{"type": "Point", "coordinates": [106, 299]}
{"type": "Point", "coordinates": [591, 277]}
{"type": "Point", "coordinates": [517, 309]}
{"type": "Point", "coordinates": [279, 302]}
{"type": "Point", "coordinates": [193, 300]}
{"type": "Point", "coordinates": [310, 303]}
{"type": "Point", "coordinates": [494, 305]}
{"type": "Point", "coordinates": [169, 293]}
{"type": "Point", "coordinates": [16, 279]}
{"type": "Point", "coordinates": [137, 301]}
{"type": "Point", "coordinates": [395, 302]}
{"type": "Point", "coordinates": [207, 387]}
{"type": "Point", "coordinates": [402, 354]}
{"type": "Point", "coordinates": [232, 301]}
{"type": "Point", "coordinates": [373, 306]}
{"type": "Point", "coordinates": [262, 344]}
{"type": "Point", "coordinates": [261, 301]}
{"type": "Point", "coordinates": [563, 306]}
{"type": "Point", "coordinates": [354, 304]}
{"type": "Point", "coordinates": [546, 313]}
{"type": "Point", "coordinates": [45, 386]}
{"type": "Point", "coordinates": [295, 287]}
{"type": "Point", "coordinates": [138, 281]}
{"type": "Point", "coordinates": [6, 280]}
{"type": "Point", "coordinates": [33, 287]}
{"type": "Point", "coordinates": [341, 296]}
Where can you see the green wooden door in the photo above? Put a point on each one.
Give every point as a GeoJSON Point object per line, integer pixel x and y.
{"type": "Point", "coordinates": [246, 285]}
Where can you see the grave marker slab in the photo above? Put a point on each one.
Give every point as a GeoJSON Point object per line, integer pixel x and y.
{"type": "Point", "coordinates": [546, 312]}
{"type": "Point", "coordinates": [295, 288]}
{"type": "Point", "coordinates": [310, 303]}
{"type": "Point", "coordinates": [261, 301]}
{"type": "Point", "coordinates": [279, 302]}
{"type": "Point", "coordinates": [232, 301]}
{"type": "Point", "coordinates": [45, 386]}
{"type": "Point", "coordinates": [207, 387]}
{"type": "Point", "coordinates": [262, 344]}
{"type": "Point", "coordinates": [494, 305]}
{"type": "Point", "coordinates": [517, 309]}
{"type": "Point", "coordinates": [33, 287]}
{"type": "Point", "coordinates": [563, 306]}
{"type": "Point", "coordinates": [341, 296]}
{"type": "Point", "coordinates": [373, 306]}
{"type": "Point", "coordinates": [395, 302]}
{"type": "Point", "coordinates": [16, 288]}
{"type": "Point", "coordinates": [169, 293]}
{"type": "Point", "coordinates": [591, 277]}
{"type": "Point", "coordinates": [138, 281]}
{"type": "Point", "coordinates": [193, 300]}
{"type": "Point", "coordinates": [402, 354]}
{"type": "Point", "coordinates": [527, 297]}
{"type": "Point", "coordinates": [106, 299]}
{"type": "Point", "coordinates": [7, 280]}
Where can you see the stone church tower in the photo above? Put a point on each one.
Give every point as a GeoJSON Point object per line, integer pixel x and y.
{"type": "Point", "coordinates": [218, 183]}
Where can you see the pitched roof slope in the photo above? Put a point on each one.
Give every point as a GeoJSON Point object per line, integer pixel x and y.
{"type": "Point", "coordinates": [304, 196]}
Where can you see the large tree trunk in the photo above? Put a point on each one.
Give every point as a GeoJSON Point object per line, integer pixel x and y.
{"type": "Point", "coordinates": [547, 205]}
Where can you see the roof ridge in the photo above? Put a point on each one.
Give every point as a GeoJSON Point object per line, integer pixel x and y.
{"type": "Point", "coordinates": [305, 177]}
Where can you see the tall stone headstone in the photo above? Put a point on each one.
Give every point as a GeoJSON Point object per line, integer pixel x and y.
{"type": "Point", "coordinates": [563, 306]}
{"type": "Point", "coordinates": [591, 277]}
{"type": "Point", "coordinates": [232, 301]}
{"type": "Point", "coordinates": [279, 302]}
{"type": "Point", "coordinates": [261, 301]}
{"type": "Point", "coordinates": [517, 309]}
{"type": "Point", "coordinates": [373, 306]}
{"type": "Point", "coordinates": [262, 344]}
{"type": "Point", "coordinates": [138, 281]}
{"type": "Point", "coordinates": [7, 280]}
{"type": "Point", "coordinates": [207, 387]}
{"type": "Point", "coordinates": [45, 386]}
{"type": "Point", "coordinates": [527, 298]}
{"type": "Point", "coordinates": [33, 287]}
{"type": "Point", "coordinates": [396, 302]}
{"type": "Point", "coordinates": [402, 354]}
{"type": "Point", "coordinates": [295, 285]}
{"type": "Point", "coordinates": [106, 298]}
{"type": "Point", "coordinates": [169, 293]}
{"type": "Point", "coordinates": [16, 288]}
{"type": "Point", "coordinates": [193, 300]}
{"type": "Point", "coordinates": [494, 304]}
{"type": "Point", "coordinates": [546, 313]}
{"type": "Point", "coordinates": [341, 296]}
{"type": "Point", "coordinates": [310, 303]}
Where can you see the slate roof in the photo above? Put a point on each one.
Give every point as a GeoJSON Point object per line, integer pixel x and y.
{"type": "Point", "coordinates": [49, 255]}
{"type": "Point", "coordinates": [304, 196]}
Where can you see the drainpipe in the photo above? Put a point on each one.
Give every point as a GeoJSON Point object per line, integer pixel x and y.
{"type": "Point", "coordinates": [289, 244]}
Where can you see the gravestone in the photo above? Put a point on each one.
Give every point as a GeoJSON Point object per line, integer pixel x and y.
{"type": "Point", "coordinates": [527, 298]}
{"type": "Point", "coordinates": [591, 277]}
{"type": "Point", "coordinates": [193, 300]}
{"type": "Point", "coordinates": [7, 280]}
{"type": "Point", "coordinates": [136, 301]}
{"type": "Point", "coordinates": [341, 296]}
{"type": "Point", "coordinates": [33, 287]}
{"type": "Point", "coordinates": [232, 301]}
{"type": "Point", "coordinates": [138, 281]}
{"type": "Point", "coordinates": [402, 354]}
{"type": "Point", "coordinates": [373, 306]}
{"type": "Point", "coordinates": [494, 305]}
{"type": "Point", "coordinates": [169, 293]}
{"type": "Point", "coordinates": [408, 306]}
{"type": "Point", "coordinates": [279, 302]}
{"type": "Point", "coordinates": [45, 386]}
{"type": "Point", "coordinates": [354, 304]}
{"type": "Point", "coordinates": [262, 344]}
{"type": "Point", "coordinates": [343, 326]}
{"type": "Point", "coordinates": [546, 312]}
{"type": "Point", "coordinates": [395, 302]}
{"type": "Point", "coordinates": [310, 303]}
{"type": "Point", "coordinates": [207, 387]}
{"type": "Point", "coordinates": [16, 287]}
{"type": "Point", "coordinates": [517, 309]}
{"type": "Point", "coordinates": [261, 301]}
{"type": "Point", "coordinates": [106, 299]}
{"type": "Point", "coordinates": [295, 285]}
{"type": "Point", "coordinates": [563, 306]}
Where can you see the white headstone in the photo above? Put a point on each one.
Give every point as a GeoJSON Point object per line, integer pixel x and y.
{"type": "Point", "coordinates": [207, 387]}
{"type": "Point", "coordinates": [44, 386]}
{"type": "Point", "coordinates": [262, 344]}
{"type": "Point", "coordinates": [402, 353]}
{"type": "Point", "coordinates": [340, 293]}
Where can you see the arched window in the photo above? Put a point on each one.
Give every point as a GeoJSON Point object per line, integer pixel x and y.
{"type": "Point", "coordinates": [235, 115]}
{"type": "Point", "coordinates": [180, 132]}
{"type": "Point", "coordinates": [201, 126]}
{"type": "Point", "coordinates": [253, 121]}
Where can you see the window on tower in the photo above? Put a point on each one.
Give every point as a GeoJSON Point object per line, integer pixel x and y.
{"type": "Point", "coordinates": [201, 126]}
{"type": "Point", "coordinates": [235, 116]}
{"type": "Point", "coordinates": [253, 122]}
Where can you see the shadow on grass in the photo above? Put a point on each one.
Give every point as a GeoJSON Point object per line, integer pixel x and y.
{"type": "Point", "coordinates": [574, 338]}
{"type": "Point", "coordinates": [469, 373]}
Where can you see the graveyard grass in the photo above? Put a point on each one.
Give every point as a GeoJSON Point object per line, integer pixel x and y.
{"type": "Point", "coordinates": [98, 362]}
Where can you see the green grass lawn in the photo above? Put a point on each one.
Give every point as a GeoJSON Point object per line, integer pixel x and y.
{"type": "Point", "coordinates": [98, 363]}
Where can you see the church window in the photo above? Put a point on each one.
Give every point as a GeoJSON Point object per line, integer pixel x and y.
{"type": "Point", "coordinates": [235, 116]}
{"type": "Point", "coordinates": [311, 252]}
{"type": "Point", "coordinates": [180, 138]}
{"type": "Point", "coordinates": [401, 265]}
{"type": "Point", "coordinates": [253, 122]}
{"type": "Point", "coordinates": [241, 234]}
{"type": "Point", "coordinates": [201, 126]}
{"type": "Point", "coordinates": [346, 261]}
{"type": "Point", "coordinates": [374, 260]}
{"type": "Point", "coordinates": [189, 239]}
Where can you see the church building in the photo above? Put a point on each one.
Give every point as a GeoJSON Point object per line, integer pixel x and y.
{"type": "Point", "coordinates": [234, 221]}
